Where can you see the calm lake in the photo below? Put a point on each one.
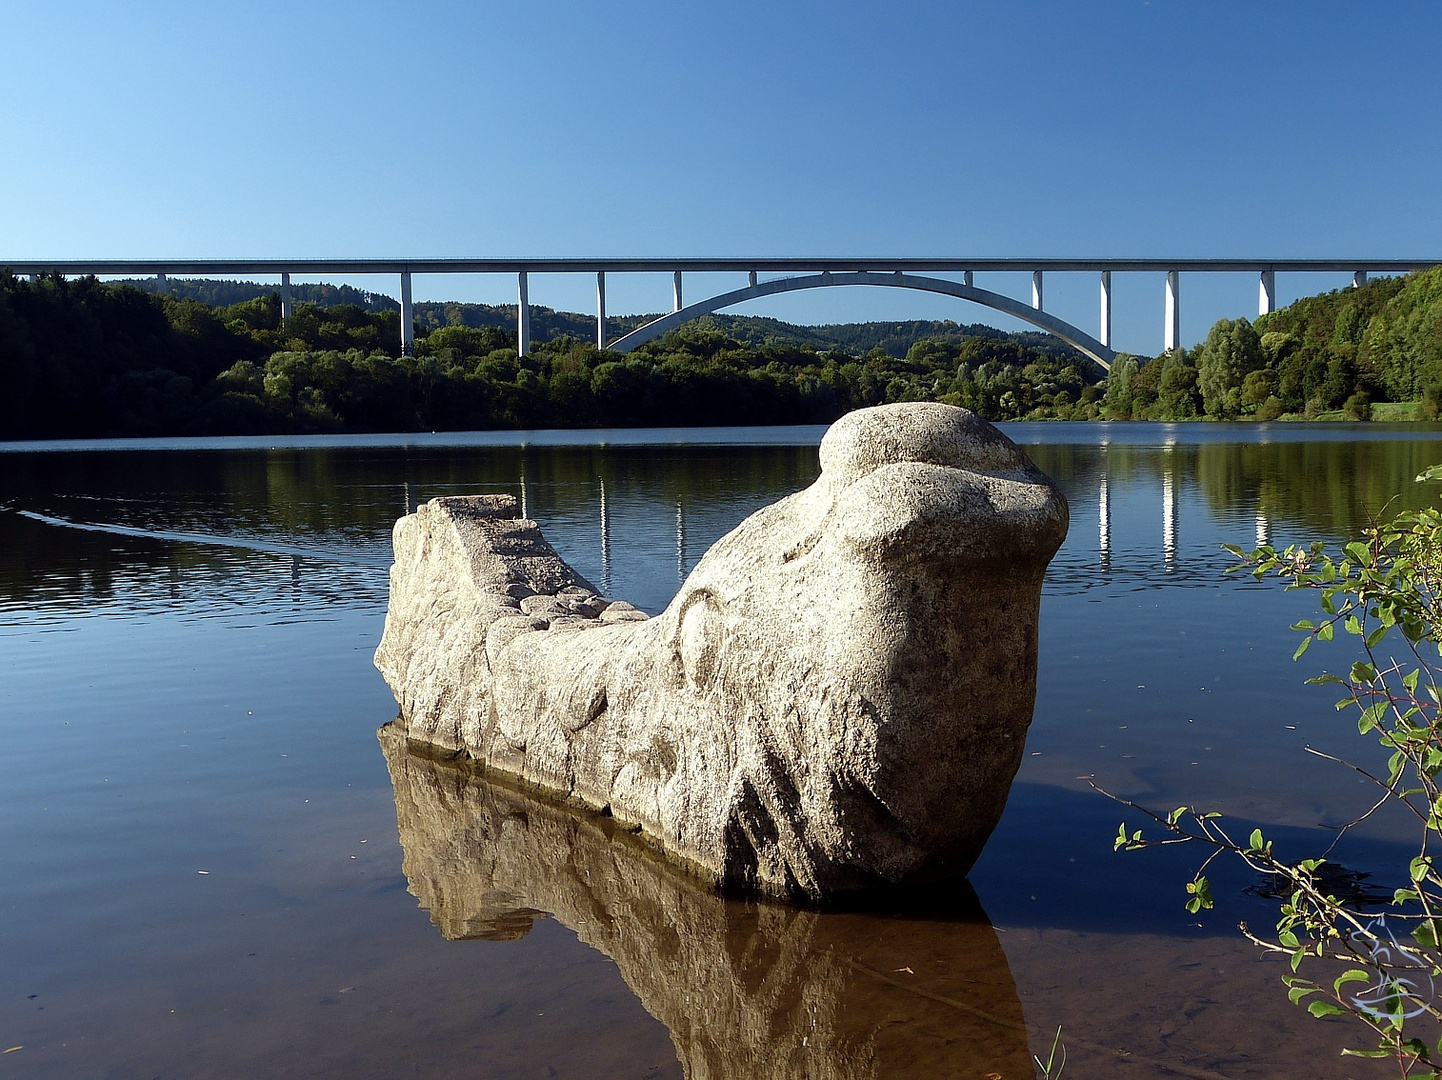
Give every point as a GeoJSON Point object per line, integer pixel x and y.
{"type": "Point", "coordinates": [212, 867]}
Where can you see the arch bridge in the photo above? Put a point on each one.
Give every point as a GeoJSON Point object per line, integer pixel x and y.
{"type": "Point", "coordinates": [793, 275]}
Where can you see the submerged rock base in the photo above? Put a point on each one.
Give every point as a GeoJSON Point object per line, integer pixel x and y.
{"type": "Point", "coordinates": [836, 699]}
{"type": "Point", "coordinates": [746, 989]}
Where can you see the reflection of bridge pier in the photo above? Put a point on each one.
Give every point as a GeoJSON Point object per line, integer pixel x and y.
{"type": "Point", "coordinates": [1169, 510]}
{"type": "Point", "coordinates": [1264, 529]}
{"type": "Point", "coordinates": [605, 543]}
{"type": "Point", "coordinates": [1104, 523]}
{"type": "Point", "coordinates": [680, 541]}
{"type": "Point", "coordinates": [525, 508]}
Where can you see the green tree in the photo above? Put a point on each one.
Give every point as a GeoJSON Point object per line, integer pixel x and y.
{"type": "Point", "coordinates": [1231, 352]}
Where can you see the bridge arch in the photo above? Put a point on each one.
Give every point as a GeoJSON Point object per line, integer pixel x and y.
{"type": "Point", "coordinates": [1083, 342]}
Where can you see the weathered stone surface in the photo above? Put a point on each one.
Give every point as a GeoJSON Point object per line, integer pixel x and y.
{"type": "Point", "coordinates": [837, 697]}
{"type": "Point", "coordinates": [747, 990]}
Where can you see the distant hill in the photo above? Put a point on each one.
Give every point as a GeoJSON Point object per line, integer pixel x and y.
{"type": "Point", "coordinates": [895, 339]}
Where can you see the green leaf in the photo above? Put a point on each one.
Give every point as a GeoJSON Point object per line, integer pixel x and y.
{"type": "Point", "coordinates": [1256, 843]}
{"type": "Point", "coordinates": [1376, 636]}
{"type": "Point", "coordinates": [1305, 624]}
{"type": "Point", "coordinates": [1419, 866]}
{"type": "Point", "coordinates": [1306, 641]}
{"type": "Point", "coordinates": [1297, 993]}
{"type": "Point", "coordinates": [1351, 976]}
{"type": "Point", "coordinates": [1363, 672]}
{"type": "Point", "coordinates": [1410, 680]}
{"type": "Point", "coordinates": [1325, 1008]}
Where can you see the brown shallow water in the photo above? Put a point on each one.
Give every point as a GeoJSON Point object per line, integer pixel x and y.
{"type": "Point", "coordinates": [213, 869]}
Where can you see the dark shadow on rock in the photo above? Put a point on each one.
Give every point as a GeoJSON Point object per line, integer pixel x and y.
{"type": "Point", "coordinates": [887, 987]}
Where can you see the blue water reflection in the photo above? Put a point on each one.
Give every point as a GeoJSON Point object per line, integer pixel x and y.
{"type": "Point", "coordinates": [200, 820]}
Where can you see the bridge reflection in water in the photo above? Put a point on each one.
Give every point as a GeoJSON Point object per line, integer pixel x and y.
{"type": "Point", "coordinates": [917, 989]}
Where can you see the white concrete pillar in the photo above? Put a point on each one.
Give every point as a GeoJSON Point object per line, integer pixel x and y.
{"type": "Point", "coordinates": [286, 310]}
{"type": "Point", "coordinates": [160, 288]}
{"type": "Point", "coordinates": [1105, 337]}
{"type": "Point", "coordinates": [966, 279]}
{"type": "Point", "coordinates": [676, 291]}
{"type": "Point", "coordinates": [408, 324]}
{"type": "Point", "coordinates": [1036, 289]}
{"type": "Point", "coordinates": [1172, 331]}
{"type": "Point", "coordinates": [523, 316]}
{"type": "Point", "coordinates": [600, 309]}
{"type": "Point", "coordinates": [1359, 278]}
{"type": "Point", "coordinates": [1267, 293]}
{"type": "Point", "coordinates": [751, 279]}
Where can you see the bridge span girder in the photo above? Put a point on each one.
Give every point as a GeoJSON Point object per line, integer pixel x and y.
{"type": "Point", "coordinates": [1093, 349]}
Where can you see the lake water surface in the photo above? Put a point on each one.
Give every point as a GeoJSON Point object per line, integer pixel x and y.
{"type": "Point", "coordinates": [211, 866]}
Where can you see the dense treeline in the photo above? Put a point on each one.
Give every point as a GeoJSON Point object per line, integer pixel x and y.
{"type": "Point", "coordinates": [80, 358]}
{"type": "Point", "coordinates": [1342, 350]}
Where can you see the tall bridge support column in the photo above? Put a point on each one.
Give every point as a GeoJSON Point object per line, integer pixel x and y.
{"type": "Point", "coordinates": [751, 279]}
{"type": "Point", "coordinates": [1267, 293]}
{"type": "Point", "coordinates": [600, 309]}
{"type": "Point", "coordinates": [286, 310]}
{"type": "Point", "coordinates": [1105, 337]}
{"type": "Point", "coordinates": [408, 325]}
{"type": "Point", "coordinates": [523, 316]}
{"type": "Point", "coordinates": [1036, 289]}
{"type": "Point", "coordinates": [966, 279]}
{"type": "Point", "coordinates": [676, 292]}
{"type": "Point", "coordinates": [1172, 331]}
{"type": "Point", "coordinates": [160, 287]}
{"type": "Point", "coordinates": [1359, 278]}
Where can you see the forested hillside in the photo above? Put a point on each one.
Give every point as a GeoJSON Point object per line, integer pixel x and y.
{"type": "Point", "coordinates": [81, 358]}
{"type": "Point", "coordinates": [1342, 350]}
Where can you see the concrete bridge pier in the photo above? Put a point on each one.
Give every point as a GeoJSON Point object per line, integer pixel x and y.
{"type": "Point", "coordinates": [751, 279]}
{"type": "Point", "coordinates": [286, 310]}
{"type": "Point", "coordinates": [1359, 278]}
{"type": "Point", "coordinates": [523, 316]}
{"type": "Point", "coordinates": [1172, 331]}
{"type": "Point", "coordinates": [408, 325]}
{"type": "Point", "coordinates": [1105, 336]}
{"type": "Point", "coordinates": [676, 292]}
{"type": "Point", "coordinates": [600, 309]}
{"type": "Point", "coordinates": [160, 286]}
{"type": "Point", "coordinates": [966, 276]}
{"type": "Point", "coordinates": [1036, 289]}
{"type": "Point", "coordinates": [1267, 293]}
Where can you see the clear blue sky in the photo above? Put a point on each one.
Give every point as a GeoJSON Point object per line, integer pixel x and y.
{"type": "Point", "coordinates": [1112, 128]}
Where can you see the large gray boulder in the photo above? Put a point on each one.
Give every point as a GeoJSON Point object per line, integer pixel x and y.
{"type": "Point", "coordinates": [836, 699]}
{"type": "Point", "coordinates": [747, 990]}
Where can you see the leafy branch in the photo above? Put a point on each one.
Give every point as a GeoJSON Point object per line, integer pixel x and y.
{"type": "Point", "coordinates": [1382, 589]}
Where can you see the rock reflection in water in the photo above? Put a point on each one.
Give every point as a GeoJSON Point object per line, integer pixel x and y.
{"type": "Point", "coordinates": [746, 989]}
